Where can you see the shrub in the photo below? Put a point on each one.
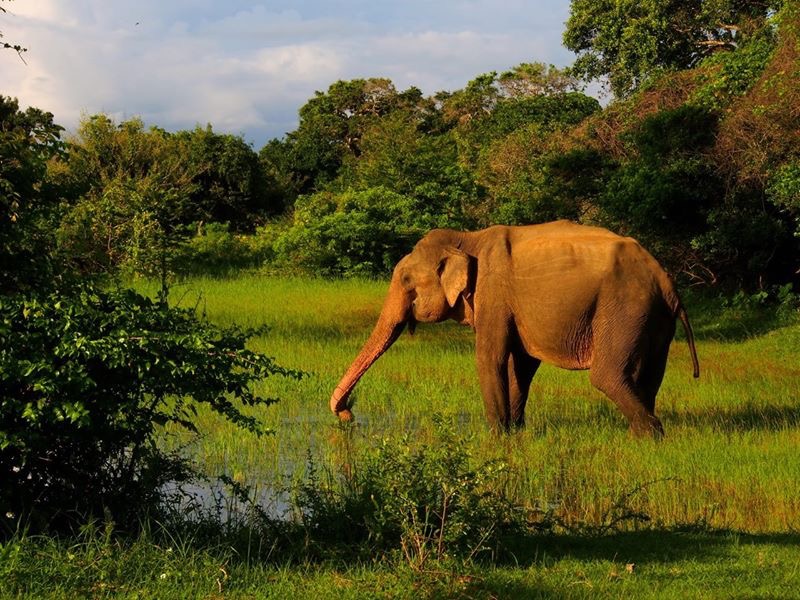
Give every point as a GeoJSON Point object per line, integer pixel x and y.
{"type": "Point", "coordinates": [425, 502]}
{"type": "Point", "coordinates": [135, 201]}
{"type": "Point", "coordinates": [217, 251]}
{"type": "Point", "coordinates": [784, 189]}
{"type": "Point", "coordinates": [88, 378]}
{"type": "Point", "coordinates": [353, 233]}
{"type": "Point", "coordinates": [28, 199]}
{"type": "Point", "coordinates": [534, 178]}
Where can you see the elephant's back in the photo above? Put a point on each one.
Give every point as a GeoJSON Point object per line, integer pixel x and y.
{"type": "Point", "coordinates": [564, 250]}
{"type": "Point", "coordinates": [567, 277]}
{"type": "Point", "coordinates": [560, 230]}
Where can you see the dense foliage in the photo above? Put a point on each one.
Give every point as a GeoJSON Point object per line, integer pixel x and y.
{"type": "Point", "coordinates": [696, 156]}
{"type": "Point", "coordinates": [88, 379]}
{"type": "Point", "coordinates": [352, 233]}
{"type": "Point", "coordinates": [136, 194]}
{"type": "Point", "coordinates": [28, 140]}
{"type": "Point", "coordinates": [628, 42]}
{"type": "Point", "coordinates": [91, 375]}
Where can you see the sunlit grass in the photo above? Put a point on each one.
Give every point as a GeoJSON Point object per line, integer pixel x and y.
{"type": "Point", "coordinates": [729, 459]}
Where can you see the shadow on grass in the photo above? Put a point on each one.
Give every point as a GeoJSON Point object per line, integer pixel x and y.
{"type": "Point", "coordinates": [664, 546]}
{"type": "Point", "coordinates": [721, 319]}
{"type": "Point", "coordinates": [732, 330]}
{"type": "Point", "coordinates": [639, 547]}
{"type": "Point", "coordinates": [741, 419]}
{"type": "Point", "coordinates": [656, 548]}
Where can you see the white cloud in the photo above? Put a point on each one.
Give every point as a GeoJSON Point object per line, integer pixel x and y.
{"type": "Point", "coordinates": [247, 69]}
{"type": "Point", "coordinates": [308, 63]}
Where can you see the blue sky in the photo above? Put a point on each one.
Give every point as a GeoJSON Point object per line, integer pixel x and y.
{"type": "Point", "coordinates": [246, 67]}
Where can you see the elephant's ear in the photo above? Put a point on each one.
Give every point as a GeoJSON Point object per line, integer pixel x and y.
{"type": "Point", "coordinates": [454, 274]}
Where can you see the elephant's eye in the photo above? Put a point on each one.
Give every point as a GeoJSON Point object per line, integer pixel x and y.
{"type": "Point", "coordinates": [406, 280]}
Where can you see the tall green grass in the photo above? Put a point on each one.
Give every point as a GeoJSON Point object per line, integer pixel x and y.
{"type": "Point", "coordinates": [729, 458]}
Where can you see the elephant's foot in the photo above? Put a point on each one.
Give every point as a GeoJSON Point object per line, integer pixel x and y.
{"type": "Point", "coordinates": [649, 426]}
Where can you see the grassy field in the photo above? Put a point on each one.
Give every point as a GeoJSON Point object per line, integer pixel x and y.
{"type": "Point", "coordinates": [728, 460]}
{"type": "Point", "coordinates": [721, 491]}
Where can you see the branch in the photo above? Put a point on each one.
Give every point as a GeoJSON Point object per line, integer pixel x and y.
{"type": "Point", "coordinates": [16, 47]}
{"type": "Point", "coordinates": [711, 45]}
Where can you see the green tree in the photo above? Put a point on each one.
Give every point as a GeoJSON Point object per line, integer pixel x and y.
{"type": "Point", "coordinates": [537, 79]}
{"type": "Point", "coordinates": [330, 130]}
{"type": "Point", "coordinates": [628, 41]}
{"type": "Point", "coordinates": [28, 198]}
{"type": "Point", "coordinates": [490, 107]}
{"type": "Point", "coordinates": [536, 174]}
{"type": "Point", "coordinates": [352, 233]}
{"type": "Point", "coordinates": [398, 156]}
{"type": "Point", "coordinates": [136, 196]}
{"type": "Point", "coordinates": [478, 99]}
{"type": "Point", "coordinates": [279, 167]}
{"type": "Point", "coordinates": [231, 185]}
{"type": "Point", "coordinates": [663, 194]}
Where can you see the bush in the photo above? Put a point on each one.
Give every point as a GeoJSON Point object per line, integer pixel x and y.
{"type": "Point", "coordinates": [217, 251]}
{"type": "Point", "coordinates": [784, 190]}
{"type": "Point", "coordinates": [87, 380]}
{"type": "Point", "coordinates": [426, 503]}
{"type": "Point", "coordinates": [136, 197]}
{"type": "Point", "coordinates": [353, 233]}
{"type": "Point", "coordinates": [533, 180]}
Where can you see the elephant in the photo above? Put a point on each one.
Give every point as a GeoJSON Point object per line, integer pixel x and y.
{"type": "Point", "coordinates": [574, 296]}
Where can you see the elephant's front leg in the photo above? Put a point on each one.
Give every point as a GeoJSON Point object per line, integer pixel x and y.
{"type": "Point", "coordinates": [493, 370]}
{"type": "Point", "coordinates": [521, 369]}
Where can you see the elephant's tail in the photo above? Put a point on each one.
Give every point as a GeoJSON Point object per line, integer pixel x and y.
{"type": "Point", "coordinates": [687, 327]}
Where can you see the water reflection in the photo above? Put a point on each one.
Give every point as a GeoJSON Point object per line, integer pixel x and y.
{"type": "Point", "coordinates": [218, 500]}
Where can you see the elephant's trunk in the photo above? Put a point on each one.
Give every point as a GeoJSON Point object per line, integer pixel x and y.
{"type": "Point", "coordinates": [393, 317]}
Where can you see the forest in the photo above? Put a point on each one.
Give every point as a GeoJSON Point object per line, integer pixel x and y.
{"type": "Point", "coordinates": [695, 155]}
{"type": "Point", "coordinates": [110, 369]}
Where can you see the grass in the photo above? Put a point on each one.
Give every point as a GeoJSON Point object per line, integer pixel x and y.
{"type": "Point", "coordinates": [722, 490]}
{"type": "Point", "coordinates": [643, 565]}
{"type": "Point", "coordinates": [728, 458]}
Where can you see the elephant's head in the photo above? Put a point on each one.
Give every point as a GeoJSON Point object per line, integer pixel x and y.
{"type": "Point", "coordinates": [432, 283]}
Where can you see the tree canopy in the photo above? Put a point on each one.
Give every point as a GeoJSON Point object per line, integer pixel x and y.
{"type": "Point", "coordinates": [696, 155]}
{"type": "Point", "coordinates": [628, 41]}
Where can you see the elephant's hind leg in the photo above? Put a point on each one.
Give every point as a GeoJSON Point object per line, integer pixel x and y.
{"type": "Point", "coordinates": [618, 376]}
{"type": "Point", "coordinates": [636, 405]}
{"type": "Point", "coordinates": [628, 363]}
{"type": "Point", "coordinates": [648, 379]}
{"type": "Point", "coordinates": [521, 369]}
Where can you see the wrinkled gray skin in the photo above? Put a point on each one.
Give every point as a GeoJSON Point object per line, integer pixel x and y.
{"type": "Point", "coordinates": [573, 296]}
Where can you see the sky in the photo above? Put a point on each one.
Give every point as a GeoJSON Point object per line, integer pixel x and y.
{"type": "Point", "coordinates": [247, 67]}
